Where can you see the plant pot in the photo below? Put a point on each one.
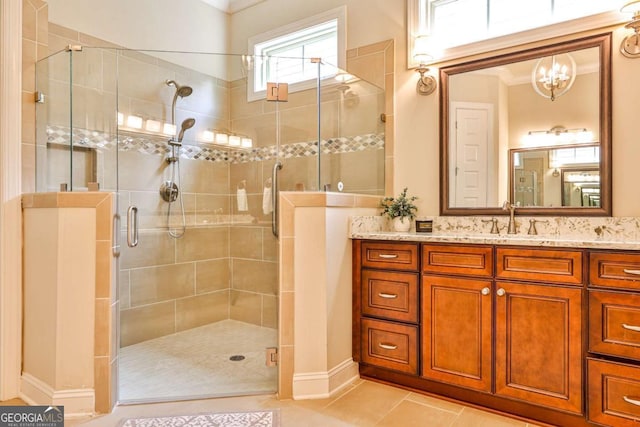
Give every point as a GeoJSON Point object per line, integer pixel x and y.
{"type": "Point", "coordinates": [401, 223]}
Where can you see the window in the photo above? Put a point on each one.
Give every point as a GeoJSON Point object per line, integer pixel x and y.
{"type": "Point", "coordinates": [283, 55]}
{"type": "Point", "coordinates": [461, 25]}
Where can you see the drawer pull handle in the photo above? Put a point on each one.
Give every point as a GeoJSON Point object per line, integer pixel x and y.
{"type": "Point", "coordinates": [388, 346]}
{"type": "Point", "coordinates": [485, 291]}
{"type": "Point", "coordinates": [501, 292]}
{"type": "Point", "coordinates": [390, 256]}
{"type": "Point", "coordinates": [634, 272]}
{"type": "Point", "coordinates": [387, 296]}
{"type": "Point", "coordinates": [632, 401]}
{"type": "Point", "coordinates": [631, 327]}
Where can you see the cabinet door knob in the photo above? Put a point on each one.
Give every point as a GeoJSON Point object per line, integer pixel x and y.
{"type": "Point", "coordinates": [387, 256]}
{"type": "Point", "coordinates": [387, 296]}
{"type": "Point", "coordinates": [501, 292]}
{"type": "Point", "coordinates": [630, 271]}
{"type": "Point", "coordinates": [485, 291]}
{"type": "Point", "coordinates": [632, 401]}
{"type": "Point", "coordinates": [388, 346]}
{"type": "Point", "coordinates": [631, 327]}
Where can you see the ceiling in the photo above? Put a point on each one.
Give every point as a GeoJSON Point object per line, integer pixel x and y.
{"type": "Point", "coordinates": [232, 6]}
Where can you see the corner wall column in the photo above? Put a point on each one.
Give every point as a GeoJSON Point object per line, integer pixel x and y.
{"type": "Point", "coordinates": [10, 189]}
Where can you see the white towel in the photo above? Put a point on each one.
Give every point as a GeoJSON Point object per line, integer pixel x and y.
{"type": "Point", "coordinates": [243, 203]}
{"type": "Point", "coordinates": [267, 203]}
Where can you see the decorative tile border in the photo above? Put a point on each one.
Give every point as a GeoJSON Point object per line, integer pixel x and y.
{"type": "Point", "coordinates": [157, 145]}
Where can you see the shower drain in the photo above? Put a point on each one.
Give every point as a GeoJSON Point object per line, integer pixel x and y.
{"type": "Point", "coordinates": [236, 358]}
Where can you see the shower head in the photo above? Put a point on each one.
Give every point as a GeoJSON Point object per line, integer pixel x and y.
{"type": "Point", "coordinates": [186, 124]}
{"type": "Point", "coordinates": [181, 91]}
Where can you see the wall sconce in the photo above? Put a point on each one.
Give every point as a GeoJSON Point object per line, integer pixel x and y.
{"type": "Point", "coordinates": [426, 83]}
{"type": "Point", "coordinates": [553, 76]}
{"type": "Point", "coordinates": [555, 173]}
{"type": "Point", "coordinates": [630, 46]}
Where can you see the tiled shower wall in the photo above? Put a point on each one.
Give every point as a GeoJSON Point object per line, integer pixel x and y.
{"type": "Point", "coordinates": [225, 265]}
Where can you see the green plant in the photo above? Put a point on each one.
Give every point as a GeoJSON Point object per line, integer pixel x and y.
{"type": "Point", "coordinates": [401, 206]}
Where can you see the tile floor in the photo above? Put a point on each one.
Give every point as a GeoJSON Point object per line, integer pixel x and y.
{"type": "Point", "coordinates": [197, 362]}
{"type": "Point", "coordinates": [363, 403]}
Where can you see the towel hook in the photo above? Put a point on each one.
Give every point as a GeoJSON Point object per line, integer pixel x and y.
{"type": "Point", "coordinates": [268, 183]}
{"type": "Point", "coordinates": [242, 184]}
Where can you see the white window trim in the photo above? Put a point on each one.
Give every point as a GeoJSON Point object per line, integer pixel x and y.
{"type": "Point", "coordinates": [559, 29]}
{"type": "Point", "coordinates": [339, 13]}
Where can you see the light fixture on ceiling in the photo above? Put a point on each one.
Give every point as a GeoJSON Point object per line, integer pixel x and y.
{"type": "Point", "coordinates": [553, 76]}
{"type": "Point", "coordinates": [426, 83]}
{"type": "Point", "coordinates": [630, 46]}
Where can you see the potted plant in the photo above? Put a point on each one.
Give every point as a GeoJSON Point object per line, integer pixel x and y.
{"type": "Point", "coordinates": [400, 210]}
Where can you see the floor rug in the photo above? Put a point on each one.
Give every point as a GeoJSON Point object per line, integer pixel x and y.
{"type": "Point", "coordinates": [219, 419]}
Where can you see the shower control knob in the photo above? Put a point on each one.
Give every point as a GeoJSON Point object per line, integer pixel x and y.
{"type": "Point", "coordinates": [340, 186]}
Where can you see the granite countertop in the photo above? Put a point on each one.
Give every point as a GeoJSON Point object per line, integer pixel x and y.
{"type": "Point", "coordinates": [596, 233]}
{"type": "Point", "coordinates": [489, 239]}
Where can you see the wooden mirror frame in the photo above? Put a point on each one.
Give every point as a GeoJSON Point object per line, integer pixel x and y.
{"type": "Point", "coordinates": [601, 41]}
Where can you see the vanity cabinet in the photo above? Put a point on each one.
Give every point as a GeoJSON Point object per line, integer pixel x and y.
{"type": "Point", "coordinates": [529, 311]}
{"type": "Point", "coordinates": [503, 327]}
{"type": "Point", "coordinates": [614, 338]}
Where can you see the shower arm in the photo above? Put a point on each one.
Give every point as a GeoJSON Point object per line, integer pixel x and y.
{"type": "Point", "coordinates": [274, 198]}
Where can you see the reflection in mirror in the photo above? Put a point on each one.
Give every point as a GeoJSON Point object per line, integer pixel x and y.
{"type": "Point", "coordinates": [555, 176]}
{"type": "Point", "coordinates": [551, 96]}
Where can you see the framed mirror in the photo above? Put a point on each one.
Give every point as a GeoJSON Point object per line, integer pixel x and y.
{"type": "Point", "coordinates": [540, 104]}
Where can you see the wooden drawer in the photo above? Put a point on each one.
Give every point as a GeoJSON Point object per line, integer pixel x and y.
{"type": "Point", "coordinates": [390, 345]}
{"type": "Point", "coordinates": [539, 265]}
{"type": "Point", "coordinates": [613, 393]}
{"type": "Point", "coordinates": [458, 259]}
{"type": "Point", "coordinates": [390, 256]}
{"type": "Point", "coordinates": [390, 295]}
{"type": "Point", "coordinates": [614, 323]}
{"type": "Point", "coordinates": [614, 270]}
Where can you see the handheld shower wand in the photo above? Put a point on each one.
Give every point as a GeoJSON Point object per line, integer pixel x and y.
{"type": "Point", "coordinates": [182, 92]}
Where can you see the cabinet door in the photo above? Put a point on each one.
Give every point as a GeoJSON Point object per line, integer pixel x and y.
{"type": "Point", "coordinates": [539, 344]}
{"type": "Point", "coordinates": [456, 331]}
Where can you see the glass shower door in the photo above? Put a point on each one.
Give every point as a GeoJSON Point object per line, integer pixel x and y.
{"type": "Point", "coordinates": [198, 292]}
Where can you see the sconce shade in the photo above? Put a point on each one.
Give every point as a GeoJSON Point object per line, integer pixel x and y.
{"type": "Point", "coordinates": [630, 46]}
{"type": "Point", "coordinates": [553, 76]}
{"type": "Point", "coordinates": [426, 83]}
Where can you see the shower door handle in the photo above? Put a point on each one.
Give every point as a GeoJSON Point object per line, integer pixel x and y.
{"type": "Point", "coordinates": [274, 198]}
{"type": "Point", "coordinates": [132, 226]}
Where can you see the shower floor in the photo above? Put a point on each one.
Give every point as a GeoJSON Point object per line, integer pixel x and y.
{"type": "Point", "coordinates": [197, 363]}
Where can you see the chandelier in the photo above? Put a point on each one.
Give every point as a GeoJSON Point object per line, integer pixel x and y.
{"type": "Point", "coordinates": [553, 76]}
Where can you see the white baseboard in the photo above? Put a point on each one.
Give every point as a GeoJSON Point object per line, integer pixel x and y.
{"type": "Point", "coordinates": [321, 385]}
{"type": "Point", "coordinates": [76, 402]}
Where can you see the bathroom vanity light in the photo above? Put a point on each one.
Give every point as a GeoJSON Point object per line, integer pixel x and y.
{"type": "Point", "coordinates": [169, 129]}
{"type": "Point", "coordinates": [207, 135]}
{"type": "Point", "coordinates": [558, 135]}
{"type": "Point", "coordinates": [426, 83]}
{"type": "Point", "coordinates": [152, 125]}
{"type": "Point", "coordinates": [630, 46]}
{"type": "Point", "coordinates": [234, 140]}
{"type": "Point", "coordinates": [134, 122]}
{"type": "Point", "coordinates": [553, 76]}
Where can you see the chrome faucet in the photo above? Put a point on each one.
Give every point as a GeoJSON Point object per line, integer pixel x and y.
{"type": "Point", "coordinates": [511, 228]}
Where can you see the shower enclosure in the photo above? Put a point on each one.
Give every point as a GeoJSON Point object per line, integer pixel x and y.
{"type": "Point", "coordinates": [194, 164]}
